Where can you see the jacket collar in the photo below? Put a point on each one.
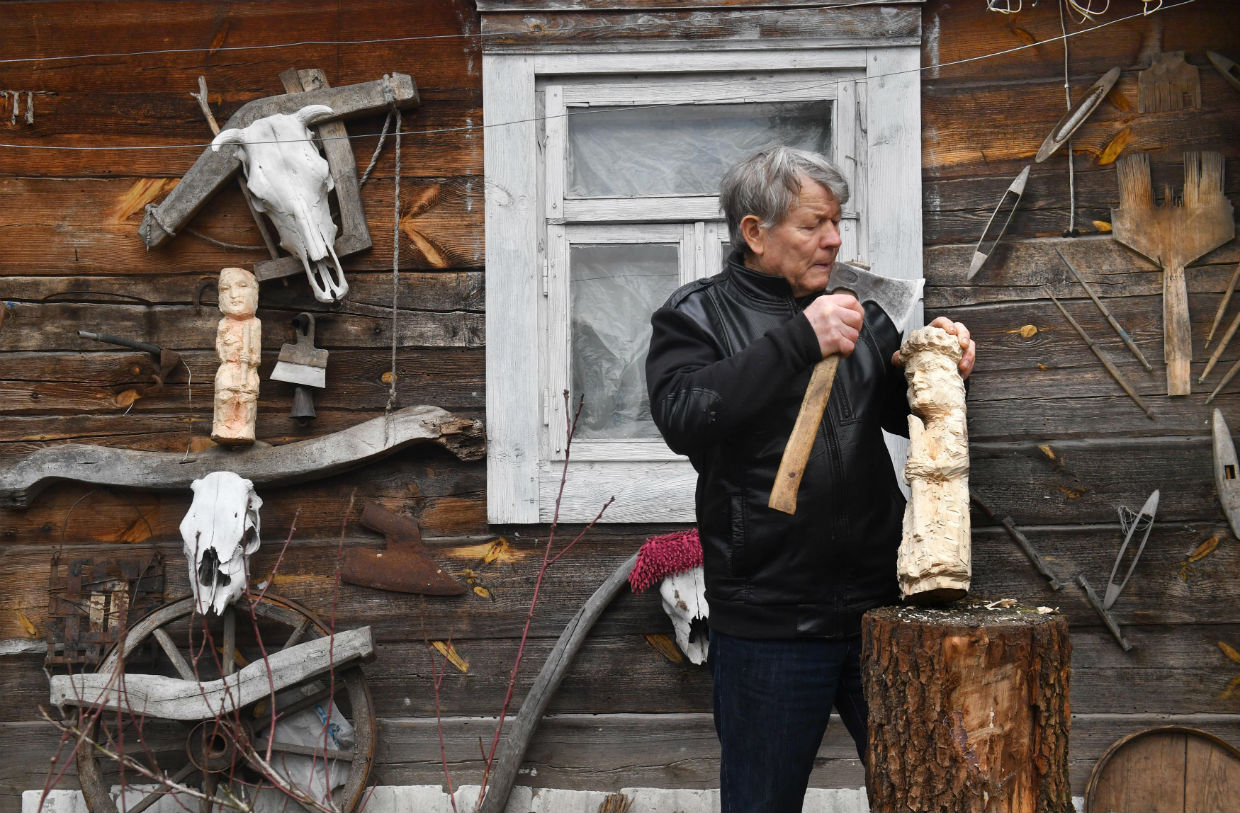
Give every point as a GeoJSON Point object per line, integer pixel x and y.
{"type": "Point", "coordinates": [762, 286]}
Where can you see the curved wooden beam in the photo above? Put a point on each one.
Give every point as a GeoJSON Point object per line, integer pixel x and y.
{"type": "Point", "coordinates": [262, 465]}
{"type": "Point", "coordinates": [513, 746]}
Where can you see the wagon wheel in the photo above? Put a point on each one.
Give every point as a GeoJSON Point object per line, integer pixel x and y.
{"type": "Point", "coordinates": [222, 755]}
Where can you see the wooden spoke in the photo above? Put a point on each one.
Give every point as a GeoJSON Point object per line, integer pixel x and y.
{"type": "Point", "coordinates": [178, 660]}
{"type": "Point", "coordinates": [230, 639]}
{"type": "Point", "coordinates": [311, 751]}
{"type": "Point", "coordinates": [296, 635]}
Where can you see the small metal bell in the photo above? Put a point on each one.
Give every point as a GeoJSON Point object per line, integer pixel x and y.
{"type": "Point", "coordinates": [303, 404]}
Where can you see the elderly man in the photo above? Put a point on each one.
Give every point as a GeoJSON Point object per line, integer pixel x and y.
{"type": "Point", "coordinates": [729, 361]}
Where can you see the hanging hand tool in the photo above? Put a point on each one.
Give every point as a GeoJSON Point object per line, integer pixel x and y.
{"type": "Point", "coordinates": [303, 365]}
{"type": "Point", "coordinates": [1169, 83]}
{"type": "Point", "coordinates": [1222, 345]}
{"type": "Point", "coordinates": [166, 359]}
{"type": "Point", "coordinates": [405, 566]}
{"type": "Point", "coordinates": [1021, 540]}
{"type": "Point", "coordinates": [1003, 215]}
{"type": "Point", "coordinates": [1222, 305]}
{"type": "Point", "coordinates": [1173, 235]}
{"type": "Point", "coordinates": [1103, 357]}
{"type": "Point", "coordinates": [898, 298]}
{"type": "Point", "coordinates": [1228, 68]}
{"type": "Point", "coordinates": [1141, 522]}
{"type": "Point", "coordinates": [1123, 334]}
{"type": "Point", "coordinates": [1075, 117]}
{"type": "Point", "coordinates": [1231, 372]}
{"type": "Point", "coordinates": [1092, 597]}
{"type": "Point", "coordinates": [1226, 472]}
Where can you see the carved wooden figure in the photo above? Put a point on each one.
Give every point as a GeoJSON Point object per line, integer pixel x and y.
{"type": "Point", "coordinates": [238, 341]}
{"type": "Point", "coordinates": [934, 559]}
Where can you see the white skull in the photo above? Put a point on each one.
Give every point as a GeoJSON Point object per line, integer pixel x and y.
{"type": "Point", "coordinates": [220, 533]}
{"type": "Point", "coordinates": [290, 180]}
{"type": "Point", "coordinates": [684, 600]}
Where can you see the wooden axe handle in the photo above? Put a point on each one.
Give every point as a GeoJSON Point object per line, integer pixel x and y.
{"type": "Point", "coordinates": [801, 441]}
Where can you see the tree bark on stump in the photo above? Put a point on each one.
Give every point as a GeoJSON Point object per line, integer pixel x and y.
{"type": "Point", "coordinates": [968, 709]}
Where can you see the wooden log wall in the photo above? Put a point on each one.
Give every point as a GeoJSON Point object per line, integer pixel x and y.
{"type": "Point", "coordinates": [1055, 443]}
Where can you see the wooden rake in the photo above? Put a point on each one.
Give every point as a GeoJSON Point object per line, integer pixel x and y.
{"type": "Point", "coordinates": [1174, 234]}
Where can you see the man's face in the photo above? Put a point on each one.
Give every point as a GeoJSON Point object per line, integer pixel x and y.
{"type": "Point", "coordinates": [801, 248]}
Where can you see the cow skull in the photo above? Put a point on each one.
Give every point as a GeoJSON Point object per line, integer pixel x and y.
{"type": "Point", "coordinates": [290, 181]}
{"type": "Point", "coordinates": [220, 533]}
{"type": "Point", "coordinates": [684, 601]}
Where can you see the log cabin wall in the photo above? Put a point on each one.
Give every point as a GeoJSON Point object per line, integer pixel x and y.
{"type": "Point", "coordinates": [1055, 442]}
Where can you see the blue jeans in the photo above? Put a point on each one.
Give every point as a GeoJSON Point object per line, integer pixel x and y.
{"type": "Point", "coordinates": [773, 699]}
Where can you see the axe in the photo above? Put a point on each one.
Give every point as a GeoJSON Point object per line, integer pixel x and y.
{"type": "Point", "coordinates": [898, 298]}
{"type": "Point", "coordinates": [405, 566]}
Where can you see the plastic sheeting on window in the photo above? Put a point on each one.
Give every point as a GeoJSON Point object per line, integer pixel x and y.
{"type": "Point", "coordinates": [614, 289]}
{"type": "Point", "coordinates": [681, 149]}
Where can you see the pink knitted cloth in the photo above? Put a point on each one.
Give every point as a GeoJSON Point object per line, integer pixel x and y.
{"type": "Point", "coordinates": [661, 556]}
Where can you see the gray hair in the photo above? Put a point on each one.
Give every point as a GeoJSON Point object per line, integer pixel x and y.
{"type": "Point", "coordinates": [766, 185]}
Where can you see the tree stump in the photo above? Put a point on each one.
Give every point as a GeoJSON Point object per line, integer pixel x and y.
{"type": "Point", "coordinates": [968, 709]}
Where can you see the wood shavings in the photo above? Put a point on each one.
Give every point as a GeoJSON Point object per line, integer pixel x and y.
{"type": "Point", "coordinates": [1048, 610]}
{"type": "Point", "coordinates": [1005, 603]}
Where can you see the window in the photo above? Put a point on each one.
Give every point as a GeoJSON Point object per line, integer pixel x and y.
{"type": "Point", "coordinates": [602, 178]}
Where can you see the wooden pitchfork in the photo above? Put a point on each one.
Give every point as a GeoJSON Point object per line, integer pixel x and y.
{"type": "Point", "coordinates": [1173, 235]}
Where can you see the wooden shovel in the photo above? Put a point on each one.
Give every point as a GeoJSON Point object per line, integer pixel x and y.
{"type": "Point", "coordinates": [1173, 235]}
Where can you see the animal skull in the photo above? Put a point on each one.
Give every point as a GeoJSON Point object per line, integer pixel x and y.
{"type": "Point", "coordinates": [290, 180]}
{"type": "Point", "coordinates": [220, 533]}
{"type": "Point", "coordinates": [684, 601]}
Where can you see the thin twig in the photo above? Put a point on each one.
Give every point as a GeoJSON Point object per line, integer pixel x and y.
{"type": "Point", "coordinates": [542, 570]}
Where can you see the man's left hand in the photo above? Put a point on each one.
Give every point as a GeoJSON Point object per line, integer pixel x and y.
{"type": "Point", "coordinates": [961, 332]}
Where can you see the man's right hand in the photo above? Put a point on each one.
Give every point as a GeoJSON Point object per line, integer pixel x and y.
{"type": "Point", "coordinates": [836, 320]}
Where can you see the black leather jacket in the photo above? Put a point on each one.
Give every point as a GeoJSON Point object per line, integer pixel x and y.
{"type": "Point", "coordinates": [729, 361]}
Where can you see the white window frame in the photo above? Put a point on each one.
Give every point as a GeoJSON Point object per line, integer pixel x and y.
{"type": "Point", "coordinates": [530, 225]}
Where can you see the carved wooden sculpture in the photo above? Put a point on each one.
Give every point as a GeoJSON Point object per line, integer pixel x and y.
{"type": "Point", "coordinates": [933, 563]}
{"type": "Point", "coordinates": [238, 341]}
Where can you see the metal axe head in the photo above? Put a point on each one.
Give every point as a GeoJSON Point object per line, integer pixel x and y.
{"type": "Point", "coordinates": [897, 297]}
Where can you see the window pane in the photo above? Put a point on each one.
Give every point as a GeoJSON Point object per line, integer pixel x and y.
{"type": "Point", "coordinates": [614, 289]}
{"type": "Point", "coordinates": [681, 149]}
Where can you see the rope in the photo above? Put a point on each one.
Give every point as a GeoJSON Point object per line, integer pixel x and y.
{"type": "Point", "coordinates": [1067, 92]}
{"type": "Point", "coordinates": [395, 114]}
{"type": "Point", "coordinates": [221, 243]}
{"type": "Point", "coordinates": [374, 159]}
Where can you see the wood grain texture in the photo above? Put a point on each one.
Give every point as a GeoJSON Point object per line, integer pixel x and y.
{"type": "Point", "coordinates": [985, 691]}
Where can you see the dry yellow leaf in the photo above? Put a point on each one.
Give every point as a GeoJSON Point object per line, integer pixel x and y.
{"type": "Point", "coordinates": [1102, 226]}
{"type": "Point", "coordinates": [1028, 331]}
{"type": "Point", "coordinates": [666, 647]}
{"type": "Point", "coordinates": [1071, 493]}
{"type": "Point", "coordinates": [1204, 549]}
{"type": "Point", "coordinates": [449, 652]}
{"type": "Point", "coordinates": [1229, 651]}
{"type": "Point", "coordinates": [386, 378]}
{"type": "Point", "coordinates": [1042, 366]}
{"type": "Point", "coordinates": [482, 591]}
{"type": "Point", "coordinates": [1046, 450]}
{"type": "Point", "coordinates": [1115, 146]}
{"type": "Point", "coordinates": [1231, 688]}
{"type": "Point", "coordinates": [124, 399]}
{"type": "Point", "coordinates": [27, 625]}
